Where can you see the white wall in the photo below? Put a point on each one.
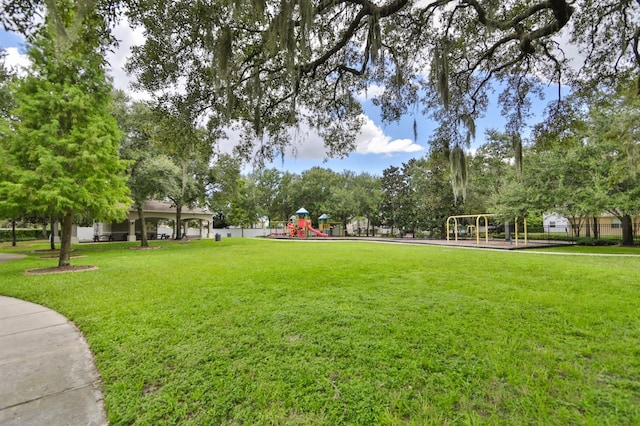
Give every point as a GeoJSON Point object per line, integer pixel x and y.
{"type": "Point", "coordinates": [561, 223]}
{"type": "Point", "coordinates": [85, 233]}
{"type": "Point", "coordinates": [239, 233]}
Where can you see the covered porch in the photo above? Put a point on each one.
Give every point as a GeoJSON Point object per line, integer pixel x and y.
{"type": "Point", "coordinates": [157, 214]}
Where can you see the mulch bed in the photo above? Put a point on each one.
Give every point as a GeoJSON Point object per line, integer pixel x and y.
{"type": "Point", "coordinates": [61, 270]}
{"type": "Point", "coordinates": [56, 257]}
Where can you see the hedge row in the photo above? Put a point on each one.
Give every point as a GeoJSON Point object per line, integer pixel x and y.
{"type": "Point", "coordinates": [21, 234]}
{"type": "Point", "coordinates": [590, 241]}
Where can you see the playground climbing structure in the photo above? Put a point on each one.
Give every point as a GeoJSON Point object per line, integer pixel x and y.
{"type": "Point", "coordinates": [299, 226]}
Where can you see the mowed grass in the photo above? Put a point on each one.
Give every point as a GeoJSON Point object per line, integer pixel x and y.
{"type": "Point", "coordinates": [327, 333]}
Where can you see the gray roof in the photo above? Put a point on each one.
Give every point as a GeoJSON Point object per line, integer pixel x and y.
{"type": "Point", "coordinates": [168, 207]}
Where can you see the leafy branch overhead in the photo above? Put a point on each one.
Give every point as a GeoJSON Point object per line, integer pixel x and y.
{"type": "Point", "coordinates": [275, 65]}
{"type": "Point", "coordinates": [272, 63]}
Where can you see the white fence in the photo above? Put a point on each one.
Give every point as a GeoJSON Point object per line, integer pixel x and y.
{"type": "Point", "coordinates": [85, 234]}
{"type": "Point", "coordinates": [240, 233]}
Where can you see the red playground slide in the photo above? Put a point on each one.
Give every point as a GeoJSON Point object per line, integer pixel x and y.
{"type": "Point", "coordinates": [315, 231]}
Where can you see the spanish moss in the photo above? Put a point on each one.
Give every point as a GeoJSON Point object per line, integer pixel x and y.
{"type": "Point", "coordinates": [458, 163]}
{"type": "Point", "coordinates": [224, 50]}
{"type": "Point", "coordinates": [470, 124]}
{"type": "Point", "coordinates": [516, 145]}
{"type": "Point", "coordinates": [375, 38]}
{"type": "Point", "coordinates": [441, 66]}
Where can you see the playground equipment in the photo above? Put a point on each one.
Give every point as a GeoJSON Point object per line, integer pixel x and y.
{"type": "Point", "coordinates": [293, 230]}
{"type": "Point", "coordinates": [476, 228]}
{"type": "Point", "coordinates": [304, 225]}
{"type": "Point", "coordinates": [298, 226]}
{"type": "Point", "coordinates": [333, 229]}
{"type": "Point", "coordinates": [323, 223]}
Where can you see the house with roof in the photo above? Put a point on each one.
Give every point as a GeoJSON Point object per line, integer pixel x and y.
{"type": "Point", "coordinates": [604, 225]}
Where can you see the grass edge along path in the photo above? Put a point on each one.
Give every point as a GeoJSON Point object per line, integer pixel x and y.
{"type": "Point", "coordinates": [257, 332]}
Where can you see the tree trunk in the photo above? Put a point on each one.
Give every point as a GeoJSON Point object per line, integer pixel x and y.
{"type": "Point", "coordinates": [65, 241]}
{"type": "Point", "coordinates": [393, 224]}
{"type": "Point", "coordinates": [576, 224]}
{"type": "Point", "coordinates": [54, 231]}
{"type": "Point", "coordinates": [627, 230]}
{"type": "Point", "coordinates": [178, 222]}
{"type": "Point", "coordinates": [587, 229]}
{"type": "Point", "coordinates": [13, 233]}
{"type": "Point", "coordinates": [143, 230]}
{"type": "Point", "coordinates": [596, 229]}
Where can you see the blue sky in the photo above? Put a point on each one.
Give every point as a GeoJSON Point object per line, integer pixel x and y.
{"type": "Point", "coordinates": [379, 145]}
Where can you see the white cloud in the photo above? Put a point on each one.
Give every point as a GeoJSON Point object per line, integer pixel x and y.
{"type": "Point", "coordinates": [127, 38]}
{"type": "Point", "coordinates": [373, 140]}
{"type": "Point", "coordinates": [369, 93]}
{"type": "Point", "coordinates": [370, 140]}
{"type": "Point", "coordinates": [15, 60]}
{"type": "Point", "coordinates": [308, 145]}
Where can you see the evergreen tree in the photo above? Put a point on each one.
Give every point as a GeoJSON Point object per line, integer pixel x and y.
{"type": "Point", "coordinates": [62, 153]}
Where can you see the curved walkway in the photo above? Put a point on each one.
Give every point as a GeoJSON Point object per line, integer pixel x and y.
{"type": "Point", "coordinates": [46, 369]}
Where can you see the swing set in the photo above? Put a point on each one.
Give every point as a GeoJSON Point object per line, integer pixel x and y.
{"type": "Point", "coordinates": [475, 228]}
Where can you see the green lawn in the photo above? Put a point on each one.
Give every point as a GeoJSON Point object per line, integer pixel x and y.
{"type": "Point", "coordinates": [606, 250]}
{"type": "Point", "coordinates": [321, 333]}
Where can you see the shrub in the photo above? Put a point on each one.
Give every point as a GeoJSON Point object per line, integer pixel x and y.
{"type": "Point", "coordinates": [21, 234]}
{"type": "Point", "coordinates": [590, 241]}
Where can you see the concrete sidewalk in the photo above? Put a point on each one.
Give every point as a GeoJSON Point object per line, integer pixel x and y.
{"type": "Point", "coordinates": [47, 375]}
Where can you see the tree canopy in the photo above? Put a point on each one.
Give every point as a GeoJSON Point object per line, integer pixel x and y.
{"type": "Point", "coordinates": [274, 65]}
{"type": "Point", "coordinates": [60, 153]}
{"type": "Point", "coordinates": [278, 64]}
{"type": "Point", "coordinates": [583, 162]}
